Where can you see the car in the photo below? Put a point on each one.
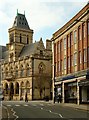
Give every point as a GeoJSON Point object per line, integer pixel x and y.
{"type": "Point", "coordinates": [1, 96]}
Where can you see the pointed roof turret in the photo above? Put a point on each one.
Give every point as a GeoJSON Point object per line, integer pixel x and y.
{"type": "Point", "coordinates": [20, 21]}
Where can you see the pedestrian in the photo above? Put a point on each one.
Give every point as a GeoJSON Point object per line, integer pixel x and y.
{"type": "Point", "coordinates": [59, 98]}
{"type": "Point", "coordinates": [26, 99]}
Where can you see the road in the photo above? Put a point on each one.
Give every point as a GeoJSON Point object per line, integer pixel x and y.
{"type": "Point", "coordinates": [39, 109]}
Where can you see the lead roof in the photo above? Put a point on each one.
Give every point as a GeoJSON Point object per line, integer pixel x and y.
{"type": "Point", "coordinates": [21, 22]}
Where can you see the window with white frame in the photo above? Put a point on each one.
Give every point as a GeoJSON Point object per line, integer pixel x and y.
{"type": "Point", "coordinates": [56, 48]}
{"type": "Point", "coordinates": [68, 40]}
{"type": "Point", "coordinates": [75, 36]}
{"type": "Point", "coordinates": [79, 33]}
{"type": "Point", "coordinates": [58, 66]}
{"type": "Point", "coordinates": [75, 58]}
{"type": "Point", "coordinates": [71, 38]}
{"type": "Point", "coordinates": [83, 30]}
{"type": "Point", "coordinates": [80, 59]}
{"type": "Point", "coordinates": [64, 43]}
{"type": "Point", "coordinates": [59, 47]}
{"type": "Point", "coordinates": [68, 62]}
{"type": "Point", "coordinates": [64, 63]}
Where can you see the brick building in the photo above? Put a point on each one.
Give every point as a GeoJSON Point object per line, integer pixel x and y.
{"type": "Point", "coordinates": [24, 64]}
{"type": "Point", "coordinates": [71, 59]}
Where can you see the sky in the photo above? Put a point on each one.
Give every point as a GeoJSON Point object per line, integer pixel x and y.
{"type": "Point", "coordinates": [44, 16]}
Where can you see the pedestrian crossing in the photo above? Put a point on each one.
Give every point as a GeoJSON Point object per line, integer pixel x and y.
{"type": "Point", "coordinates": [17, 105]}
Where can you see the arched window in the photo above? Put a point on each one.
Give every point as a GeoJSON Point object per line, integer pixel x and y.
{"type": "Point", "coordinates": [17, 88]}
{"type": "Point", "coordinates": [6, 88]}
{"type": "Point", "coordinates": [28, 71]}
{"type": "Point", "coordinates": [41, 67]}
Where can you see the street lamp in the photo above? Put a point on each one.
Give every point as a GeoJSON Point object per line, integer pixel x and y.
{"type": "Point", "coordinates": [53, 72]}
{"type": "Point", "coordinates": [53, 83]}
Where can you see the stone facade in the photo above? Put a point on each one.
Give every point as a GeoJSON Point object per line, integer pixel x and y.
{"type": "Point", "coordinates": [25, 66]}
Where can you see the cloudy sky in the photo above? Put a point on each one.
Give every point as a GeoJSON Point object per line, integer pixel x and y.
{"type": "Point", "coordinates": [44, 16]}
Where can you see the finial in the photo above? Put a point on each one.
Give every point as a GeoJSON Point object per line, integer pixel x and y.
{"type": "Point", "coordinates": [17, 11]}
{"type": "Point", "coordinates": [41, 39]}
{"type": "Point", "coordinates": [24, 12]}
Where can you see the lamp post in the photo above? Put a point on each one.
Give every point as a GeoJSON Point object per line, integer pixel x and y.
{"type": "Point", "coordinates": [53, 72]}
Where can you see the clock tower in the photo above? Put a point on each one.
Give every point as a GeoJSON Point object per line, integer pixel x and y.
{"type": "Point", "coordinates": [19, 35]}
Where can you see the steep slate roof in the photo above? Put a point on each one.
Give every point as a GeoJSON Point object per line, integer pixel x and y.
{"type": "Point", "coordinates": [3, 52]}
{"type": "Point", "coordinates": [5, 55]}
{"type": "Point", "coordinates": [21, 22]}
{"type": "Point", "coordinates": [29, 49]}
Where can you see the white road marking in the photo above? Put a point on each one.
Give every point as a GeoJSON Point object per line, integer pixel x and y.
{"type": "Point", "coordinates": [17, 105]}
{"type": "Point", "coordinates": [14, 114]}
{"type": "Point", "coordinates": [56, 113]}
{"type": "Point", "coordinates": [41, 104]}
{"type": "Point", "coordinates": [60, 115]}
{"type": "Point", "coordinates": [8, 105]}
{"type": "Point", "coordinates": [25, 105]}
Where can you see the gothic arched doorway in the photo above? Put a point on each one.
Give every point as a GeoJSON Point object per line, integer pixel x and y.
{"type": "Point", "coordinates": [17, 88]}
{"type": "Point", "coordinates": [11, 93]}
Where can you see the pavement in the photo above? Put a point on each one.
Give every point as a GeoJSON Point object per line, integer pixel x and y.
{"type": "Point", "coordinates": [73, 105]}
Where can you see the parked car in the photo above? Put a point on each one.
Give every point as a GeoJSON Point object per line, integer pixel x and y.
{"type": "Point", "coordinates": [1, 96]}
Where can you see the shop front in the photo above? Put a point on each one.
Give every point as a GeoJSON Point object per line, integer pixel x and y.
{"type": "Point", "coordinates": [70, 92]}
{"type": "Point", "coordinates": [84, 91]}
